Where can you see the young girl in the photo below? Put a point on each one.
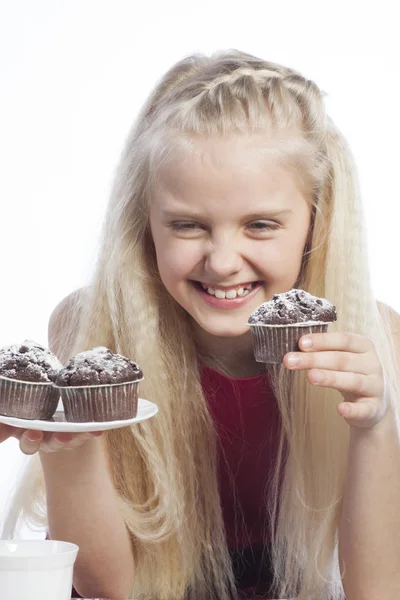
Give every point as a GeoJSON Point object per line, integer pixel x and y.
{"type": "Point", "coordinates": [251, 481]}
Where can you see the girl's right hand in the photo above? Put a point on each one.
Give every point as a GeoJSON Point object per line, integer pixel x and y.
{"type": "Point", "coordinates": [30, 441]}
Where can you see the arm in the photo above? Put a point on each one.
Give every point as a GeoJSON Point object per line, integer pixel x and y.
{"type": "Point", "coordinates": [82, 508]}
{"type": "Point", "coordinates": [369, 533]}
{"type": "Point", "coordinates": [369, 529]}
{"type": "Point", "coordinates": [82, 503]}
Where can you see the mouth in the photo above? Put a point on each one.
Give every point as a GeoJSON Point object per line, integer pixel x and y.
{"type": "Point", "coordinates": [240, 290]}
{"type": "Point", "coordinates": [228, 298]}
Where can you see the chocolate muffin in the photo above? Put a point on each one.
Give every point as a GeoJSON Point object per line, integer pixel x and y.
{"type": "Point", "coordinates": [277, 325]}
{"type": "Point", "coordinates": [27, 372]}
{"type": "Point", "coordinates": [98, 385]}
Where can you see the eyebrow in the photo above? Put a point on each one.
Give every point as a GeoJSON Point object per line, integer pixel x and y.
{"type": "Point", "coordinates": [264, 214]}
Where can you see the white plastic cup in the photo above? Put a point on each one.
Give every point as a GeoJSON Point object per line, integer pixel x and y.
{"type": "Point", "coordinates": [36, 569]}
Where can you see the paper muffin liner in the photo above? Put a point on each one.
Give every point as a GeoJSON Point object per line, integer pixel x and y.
{"type": "Point", "coordinates": [272, 342]}
{"type": "Point", "coordinates": [108, 402]}
{"type": "Point", "coordinates": [27, 399]}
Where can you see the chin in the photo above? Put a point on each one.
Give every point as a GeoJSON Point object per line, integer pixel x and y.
{"type": "Point", "coordinates": [224, 332]}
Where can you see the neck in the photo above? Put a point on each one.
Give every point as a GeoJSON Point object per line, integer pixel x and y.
{"type": "Point", "coordinates": [231, 356]}
{"type": "Point", "coordinates": [239, 371]}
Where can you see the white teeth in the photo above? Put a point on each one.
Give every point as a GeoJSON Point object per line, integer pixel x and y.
{"type": "Point", "coordinates": [219, 294]}
{"type": "Point", "coordinates": [231, 294]}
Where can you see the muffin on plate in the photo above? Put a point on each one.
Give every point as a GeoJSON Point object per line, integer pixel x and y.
{"type": "Point", "coordinates": [98, 385]}
{"type": "Point", "coordinates": [27, 373]}
{"type": "Point", "coordinates": [277, 325]}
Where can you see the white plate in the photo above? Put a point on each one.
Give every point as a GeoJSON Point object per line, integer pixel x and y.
{"type": "Point", "coordinates": [146, 410]}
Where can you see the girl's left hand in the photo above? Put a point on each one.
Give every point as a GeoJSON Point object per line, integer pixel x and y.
{"type": "Point", "coordinates": [347, 362]}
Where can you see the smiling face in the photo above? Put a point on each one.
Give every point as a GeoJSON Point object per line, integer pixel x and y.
{"type": "Point", "coordinates": [228, 219]}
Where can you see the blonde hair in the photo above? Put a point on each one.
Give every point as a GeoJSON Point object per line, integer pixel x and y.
{"type": "Point", "coordinates": [165, 469]}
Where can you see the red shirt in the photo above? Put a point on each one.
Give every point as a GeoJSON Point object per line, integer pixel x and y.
{"type": "Point", "coordinates": [247, 421]}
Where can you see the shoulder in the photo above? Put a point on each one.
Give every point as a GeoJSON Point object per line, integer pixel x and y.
{"type": "Point", "coordinates": [64, 323]}
{"type": "Point", "coordinates": [67, 307]}
{"type": "Point", "coordinates": [391, 322]}
{"type": "Point", "coordinates": [391, 317]}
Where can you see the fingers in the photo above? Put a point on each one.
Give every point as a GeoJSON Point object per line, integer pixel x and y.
{"type": "Point", "coordinates": [343, 341]}
{"type": "Point", "coordinates": [348, 383]}
{"type": "Point", "coordinates": [30, 441]}
{"type": "Point", "coordinates": [54, 442]}
{"type": "Point", "coordinates": [331, 360]}
{"type": "Point", "coordinates": [5, 432]}
{"type": "Point", "coordinates": [48, 442]}
{"type": "Point", "coordinates": [363, 363]}
{"type": "Point", "coordinates": [362, 414]}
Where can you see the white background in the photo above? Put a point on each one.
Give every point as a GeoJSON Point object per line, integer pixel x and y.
{"type": "Point", "coordinates": [73, 75]}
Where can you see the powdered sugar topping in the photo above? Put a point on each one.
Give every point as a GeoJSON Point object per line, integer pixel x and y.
{"type": "Point", "coordinates": [295, 306]}
{"type": "Point", "coordinates": [98, 366]}
{"type": "Point", "coordinates": [29, 361]}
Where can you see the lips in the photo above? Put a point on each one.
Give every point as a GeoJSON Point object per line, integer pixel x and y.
{"type": "Point", "coordinates": [219, 299]}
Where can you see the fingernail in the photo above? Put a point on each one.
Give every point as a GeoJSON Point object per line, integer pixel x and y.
{"type": "Point", "coordinates": [293, 360]}
{"type": "Point", "coordinates": [317, 377]}
{"type": "Point", "coordinates": [346, 410]}
{"type": "Point", "coordinates": [306, 342]}
{"type": "Point", "coordinates": [33, 437]}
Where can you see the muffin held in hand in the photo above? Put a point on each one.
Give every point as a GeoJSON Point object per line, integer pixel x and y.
{"type": "Point", "coordinates": [98, 385]}
{"type": "Point", "coordinates": [277, 325]}
{"type": "Point", "coordinates": [27, 372]}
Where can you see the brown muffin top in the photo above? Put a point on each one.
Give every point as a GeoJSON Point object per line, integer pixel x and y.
{"type": "Point", "coordinates": [295, 306]}
{"type": "Point", "coordinates": [29, 361]}
{"type": "Point", "coordinates": [98, 366]}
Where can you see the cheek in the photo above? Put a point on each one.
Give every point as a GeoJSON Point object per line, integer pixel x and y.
{"type": "Point", "coordinates": [176, 260]}
{"type": "Point", "coordinates": [281, 257]}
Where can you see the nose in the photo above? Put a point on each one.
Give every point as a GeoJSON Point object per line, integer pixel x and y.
{"type": "Point", "coordinates": [223, 259]}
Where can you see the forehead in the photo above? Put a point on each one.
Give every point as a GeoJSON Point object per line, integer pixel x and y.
{"type": "Point", "coordinates": [230, 171]}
